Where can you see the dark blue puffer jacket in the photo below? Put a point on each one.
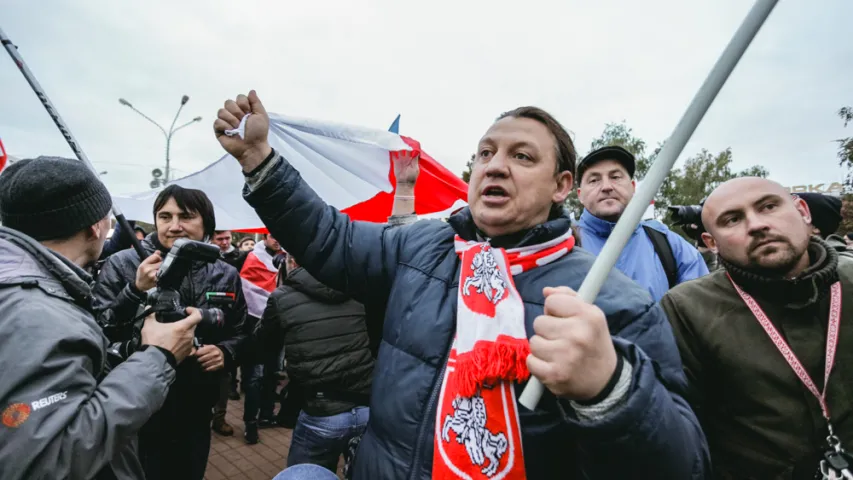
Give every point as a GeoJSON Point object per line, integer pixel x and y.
{"type": "Point", "coordinates": [413, 273]}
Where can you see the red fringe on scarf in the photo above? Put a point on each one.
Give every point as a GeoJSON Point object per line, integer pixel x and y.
{"type": "Point", "coordinates": [491, 362]}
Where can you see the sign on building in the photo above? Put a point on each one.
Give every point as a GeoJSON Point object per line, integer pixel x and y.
{"type": "Point", "coordinates": [833, 188]}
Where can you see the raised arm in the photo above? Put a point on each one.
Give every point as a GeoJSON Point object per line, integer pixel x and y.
{"type": "Point", "coordinates": [406, 170]}
{"type": "Point", "coordinates": [357, 258]}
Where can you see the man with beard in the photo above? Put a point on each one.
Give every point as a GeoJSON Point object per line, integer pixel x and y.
{"type": "Point", "coordinates": [470, 314]}
{"type": "Point", "coordinates": [743, 330]}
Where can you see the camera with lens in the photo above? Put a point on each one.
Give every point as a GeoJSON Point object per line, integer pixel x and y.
{"type": "Point", "coordinates": [164, 301]}
{"type": "Point", "coordinates": [689, 218]}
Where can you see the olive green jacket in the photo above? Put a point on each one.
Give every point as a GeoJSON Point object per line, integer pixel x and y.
{"type": "Point", "coordinates": [761, 422]}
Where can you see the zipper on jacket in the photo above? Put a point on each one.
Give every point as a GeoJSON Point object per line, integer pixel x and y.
{"type": "Point", "coordinates": [433, 399]}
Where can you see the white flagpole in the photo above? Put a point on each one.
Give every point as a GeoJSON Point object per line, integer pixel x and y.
{"type": "Point", "coordinates": [662, 166]}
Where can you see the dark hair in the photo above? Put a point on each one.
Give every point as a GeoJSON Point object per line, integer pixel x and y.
{"type": "Point", "coordinates": [188, 200]}
{"type": "Point", "coordinates": [217, 232]}
{"type": "Point", "coordinates": [567, 156]}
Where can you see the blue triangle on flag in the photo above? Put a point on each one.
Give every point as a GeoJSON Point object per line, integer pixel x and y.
{"type": "Point", "coordinates": [395, 126]}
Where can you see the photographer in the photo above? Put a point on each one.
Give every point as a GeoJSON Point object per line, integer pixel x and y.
{"type": "Point", "coordinates": [64, 414]}
{"type": "Point", "coordinates": [689, 218]}
{"type": "Point", "coordinates": [176, 442]}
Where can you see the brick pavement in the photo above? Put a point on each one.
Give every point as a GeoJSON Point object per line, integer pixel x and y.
{"type": "Point", "coordinates": [231, 459]}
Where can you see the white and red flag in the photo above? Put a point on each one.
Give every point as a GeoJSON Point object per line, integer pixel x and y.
{"type": "Point", "coordinates": [258, 277]}
{"type": "Point", "coordinates": [349, 167]}
{"type": "Point", "coordinates": [3, 156]}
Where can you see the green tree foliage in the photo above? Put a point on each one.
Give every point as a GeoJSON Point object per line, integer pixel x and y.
{"type": "Point", "coordinates": [621, 135]}
{"type": "Point", "coordinates": [685, 185]}
{"type": "Point", "coordinates": [845, 145]}
{"type": "Point", "coordinates": [466, 175]}
{"type": "Point", "coordinates": [846, 224]}
{"type": "Point", "coordinates": [698, 177]}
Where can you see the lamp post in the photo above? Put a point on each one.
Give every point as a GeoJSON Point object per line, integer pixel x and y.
{"type": "Point", "coordinates": [169, 134]}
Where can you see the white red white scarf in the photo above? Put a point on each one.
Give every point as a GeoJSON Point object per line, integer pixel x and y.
{"type": "Point", "coordinates": [258, 279]}
{"type": "Point", "coordinates": [477, 430]}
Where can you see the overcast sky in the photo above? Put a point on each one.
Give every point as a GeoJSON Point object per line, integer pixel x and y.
{"type": "Point", "coordinates": [448, 66]}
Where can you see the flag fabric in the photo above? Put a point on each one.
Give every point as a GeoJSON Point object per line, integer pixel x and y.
{"type": "Point", "coordinates": [3, 156]}
{"type": "Point", "coordinates": [258, 278]}
{"type": "Point", "coordinates": [349, 167]}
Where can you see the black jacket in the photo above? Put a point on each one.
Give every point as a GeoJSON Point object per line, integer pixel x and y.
{"type": "Point", "coordinates": [116, 303]}
{"type": "Point", "coordinates": [236, 258]}
{"type": "Point", "coordinates": [325, 343]}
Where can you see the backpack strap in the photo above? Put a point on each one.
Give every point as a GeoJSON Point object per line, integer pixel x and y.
{"type": "Point", "coordinates": [665, 254]}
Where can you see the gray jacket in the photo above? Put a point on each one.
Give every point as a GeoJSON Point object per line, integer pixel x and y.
{"type": "Point", "coordinates": [63, 415]}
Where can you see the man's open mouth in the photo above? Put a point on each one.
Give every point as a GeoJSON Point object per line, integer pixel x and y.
{"type": "Point", "coordinates": [494, 191]}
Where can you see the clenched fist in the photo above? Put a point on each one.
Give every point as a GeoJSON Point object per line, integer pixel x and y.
{"type": "Point", "coordinates": [253, 148]}
{"type": "Point", "coordinates": [572, 353]}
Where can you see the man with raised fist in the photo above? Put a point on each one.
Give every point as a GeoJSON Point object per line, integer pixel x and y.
{"type": "Point", "coordinates": [471, 312]}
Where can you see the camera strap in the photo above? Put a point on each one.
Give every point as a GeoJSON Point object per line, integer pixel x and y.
{"type": "Point", "coordinates": [146, 312]}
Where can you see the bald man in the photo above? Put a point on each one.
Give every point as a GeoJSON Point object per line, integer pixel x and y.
{"type": "Point", "coordinates": [761, 419]}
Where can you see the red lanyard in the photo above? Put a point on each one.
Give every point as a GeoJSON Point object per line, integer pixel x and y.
{"type": "Point", "coordinates": [785, 350]}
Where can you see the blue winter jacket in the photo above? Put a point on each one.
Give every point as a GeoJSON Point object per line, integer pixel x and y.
{"type": "Point", "coordinates": [639, 259]}
{"type": "Point", "coordinates": [411, 273]}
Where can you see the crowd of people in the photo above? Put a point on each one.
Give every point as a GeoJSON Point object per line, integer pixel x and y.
{"type": "Point", "coordinates": [404, 345]}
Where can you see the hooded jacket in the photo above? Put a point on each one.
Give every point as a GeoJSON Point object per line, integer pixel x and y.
{"type": "Point", "coordinates": [760, 420]}
{"type": "Point", "coordinates": [63, 414]}
{"type": "Point", "coordinates": [117, 303]}
{"type": "Point", "coordinates": [325, 341]}
{"type": "Point", "coordinates": [413, 272]}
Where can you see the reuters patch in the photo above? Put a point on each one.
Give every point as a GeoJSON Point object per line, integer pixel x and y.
{"type": "Point", "coordinates": [16, 414]}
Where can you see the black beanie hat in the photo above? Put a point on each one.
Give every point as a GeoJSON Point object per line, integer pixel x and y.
{"type": "Point", "coordinates": [49, 198]}
{"type": "Point", "coordinates": [825, 210]}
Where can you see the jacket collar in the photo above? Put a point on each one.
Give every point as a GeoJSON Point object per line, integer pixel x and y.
{"type": "Point", "coordinates": [151, 243]}
{"type": "Point", "coordinates": [809, 287]}
{"type": "Point", "coordinates": [596, 226]}
{"type": "Point", "coordinates": [76, 282]}
{"type": "Point", "coordinates": [557, 224]}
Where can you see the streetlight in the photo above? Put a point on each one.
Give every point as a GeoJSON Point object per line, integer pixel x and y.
{"type": "Point", "coordinates": [168, 134]}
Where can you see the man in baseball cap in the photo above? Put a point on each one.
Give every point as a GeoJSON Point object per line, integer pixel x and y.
{"type": "Point", "coordinates": [605, 186]}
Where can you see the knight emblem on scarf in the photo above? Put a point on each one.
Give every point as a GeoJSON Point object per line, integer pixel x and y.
{"type": "Point", "coordinates": [484, 277]}
{"type": "Point", "coordinates": [468, 422]}
{"type": "Point", "coordinates": [477, 437]}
